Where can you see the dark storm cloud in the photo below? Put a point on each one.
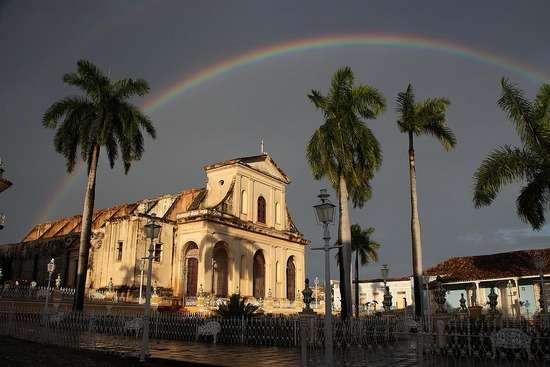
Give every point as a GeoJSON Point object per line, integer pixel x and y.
{"type": "Point", "coordinates": [225, 117]}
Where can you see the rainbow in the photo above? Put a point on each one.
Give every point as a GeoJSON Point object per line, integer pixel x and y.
{"type": "Point", "coordinates": [188, 82]}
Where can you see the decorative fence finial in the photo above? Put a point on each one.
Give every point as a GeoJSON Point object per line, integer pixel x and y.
{"type": "Point", "coordinates": [462, 301]}
{"type": "Point", "coordinates": [493, 301]}
{"type": "Point", "coordinates": [440, 295]}
{"type": "Point", "coordinates": [387, 299]}
{"type": "Point", "coordinates": [307, 292]}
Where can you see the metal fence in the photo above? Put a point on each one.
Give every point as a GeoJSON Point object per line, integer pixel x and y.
{"type": "Point", "coordinates": [75, 329]}
{"type": "Point", "coordinates": [495, 340]}
{"type": "Point", "coordinates": [35, 293]}
{"type": "Point", "coordinates": [445, 340]}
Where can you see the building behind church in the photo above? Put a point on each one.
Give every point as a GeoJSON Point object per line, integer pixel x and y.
{"type": "Point", "coordinates": [233, 236]}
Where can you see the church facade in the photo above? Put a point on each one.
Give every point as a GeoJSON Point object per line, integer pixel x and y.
{"type": "Point", "coordinates": [233, 236]}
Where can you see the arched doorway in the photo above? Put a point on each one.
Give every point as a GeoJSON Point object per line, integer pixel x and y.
{"type": "Point", "coordinates": [258, 276]}
{"type": "Point", "coordinates": [191, 268]}
{"type": "Point", "coordinates": [290, 279]}
{"type": "Point", "coordinates": [220, 270]}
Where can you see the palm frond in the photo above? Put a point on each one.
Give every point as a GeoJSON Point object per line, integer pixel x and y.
{"type": "Point", "coordinates": [520, 111]}
{"type": "Point", "coordinates": [126, 88]}
{"type": "Point", "coordinates": [502, 167]}
{"type": "Point", "coordinates": [532, 200]}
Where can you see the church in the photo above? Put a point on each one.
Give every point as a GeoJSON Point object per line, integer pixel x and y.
{"type": "Point", "coordinates": [233, 236]}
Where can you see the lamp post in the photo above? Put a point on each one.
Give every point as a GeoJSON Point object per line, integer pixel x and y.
{"type": "Point", "coordinates": [51, 269]}
{"type": "Point", "coordinates": [324, 212]}
{"type": "Point", "coordinates": [539, 265]}
{"type": "Point", "coordinates": [141, 268]}
{"type": "Point", "coordinates": [152, 231]}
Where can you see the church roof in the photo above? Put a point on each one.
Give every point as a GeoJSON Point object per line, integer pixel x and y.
{"type": "Point", "coordinates": [68, 225]}
{"type": "Point", "coordinates": [493, 266]}
{"type": "Point", "coordinates": [249, 162]}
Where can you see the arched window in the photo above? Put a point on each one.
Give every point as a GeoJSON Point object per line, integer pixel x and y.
{"type": "Point", "coordinates": [261, 209]}
{"type": "Point", "coordinates": [244, 202]}
{"type": "Point", "coordinates": [277, 213]}
{"type": "Point", "coordinates": [290, 279]}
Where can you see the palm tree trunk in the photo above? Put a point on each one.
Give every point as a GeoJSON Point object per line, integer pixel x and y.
{"type": "Point", "coordinates": [86, 230]}
{"type": "Point", "coordinates": [357, 283]}
{"type": "Point", "coordinates": [415, 232]}
{"type": "Point", "coordinates": [345, 241]}
{"type": "Point", "coordinates": [343, 300]}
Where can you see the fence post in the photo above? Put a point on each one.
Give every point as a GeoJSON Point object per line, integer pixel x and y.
{"type": "Point", "coordinates": [242, 329]}
{"type": "Point", "coordinates": [295, 331]}
{"type": "Point", "coordinates": [306, 321]}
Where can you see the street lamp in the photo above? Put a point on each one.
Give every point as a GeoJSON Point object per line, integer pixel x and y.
{"type": "Point", "coordinates": [51, 269]}
{"type": "Point", "coordinates": [539, 263]}
{"type": "Point", "coordinates": [152, 231]}
{"type": "Point", "coordinates": [324, 212]}
{"type": "Point", "coordinates": [384, 271]}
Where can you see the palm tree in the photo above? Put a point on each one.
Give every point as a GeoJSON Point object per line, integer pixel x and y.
{"type": "Point", "coordinates": [529, 164]}
{"type": "Point", "coordinates": [236, 307]}
{"type": "Point", "coordinates": [366, 249]}
{"type": "Point", "coordinates": [345, 151]}
{"type": "Point", "coordinates": [421, 118]}
{"type": "Point", "coordinates": [102, 117]}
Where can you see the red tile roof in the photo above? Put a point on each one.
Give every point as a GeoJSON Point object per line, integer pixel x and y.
{"type": "Point", "coordinates": [72, 224]}
{"type": "Point", "coordinates": [502, 265]}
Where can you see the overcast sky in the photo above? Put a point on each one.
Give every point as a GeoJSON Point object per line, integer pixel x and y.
{"type": "Point", "coordinates": [223, 118]}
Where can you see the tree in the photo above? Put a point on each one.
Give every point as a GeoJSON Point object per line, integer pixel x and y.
{"type": "Point", "coordinates": [529, 164]}
{"type": "Point", "coordinates": [101, 118]}
{"type": "Point", "coordinates": [236, 307]}
{"type": "Point", "coordinates": [415, 119]}
{"type": "Point", "coordinates": [346, 152]}
{"type": "Point", "coordinates": [366, 250]}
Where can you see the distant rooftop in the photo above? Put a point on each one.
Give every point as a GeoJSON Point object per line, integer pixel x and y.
{"type": "Point", "coordinates": [494, 266]}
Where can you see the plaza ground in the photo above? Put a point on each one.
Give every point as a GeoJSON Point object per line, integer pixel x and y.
{"type": "Point", "coordinates": [22, 353]}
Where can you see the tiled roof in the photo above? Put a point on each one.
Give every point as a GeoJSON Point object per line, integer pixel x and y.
{"type": "Point", "coordinates": [494, 266]}
{"type": "Point", "coordinates": [73, 224]}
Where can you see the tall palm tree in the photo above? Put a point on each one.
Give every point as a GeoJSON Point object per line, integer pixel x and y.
{"type": "Point", "coordinates": [415, 119]}
{"type": "Point", "coordinates": [345, 151]}
{"type": "Point", "coordinates": [101, 118]}
{"type": "Point", "coordinates": [529, 164]}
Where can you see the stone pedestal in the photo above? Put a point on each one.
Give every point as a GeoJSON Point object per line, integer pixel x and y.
{"type": "Point", "coordinates": [201, 302]}
{"type": "Point", "coordinates": [306, 330]}
{"type": "Point", "coordinates": [268, 304]}
{"type": "Point", "coordinates": [475, 311]}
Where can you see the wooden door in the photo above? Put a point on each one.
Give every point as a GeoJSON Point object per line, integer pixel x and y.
{"type": "Point", "coordinates": [192, 273]}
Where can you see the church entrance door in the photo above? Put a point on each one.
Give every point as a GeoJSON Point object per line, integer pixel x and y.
{"type": "Point", "coordinates": [259, 275]}
{"type": "Point", "coordinates": [220, 271]}
{"type": "Point", "coordinates": [290, 280]}
{"type": "Point", "coordinates": [192, 271]}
